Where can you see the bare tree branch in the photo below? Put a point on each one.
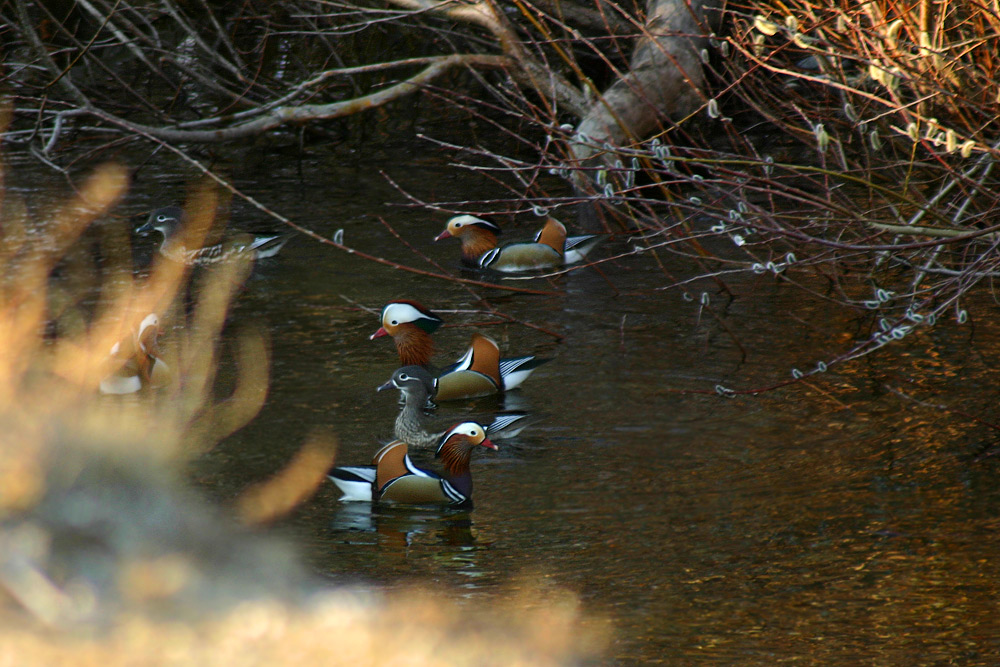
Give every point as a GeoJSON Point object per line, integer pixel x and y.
{"type": "Point", "coordinates": [546, 82]}
{"type": "Point", "coordinates": [302, 113]}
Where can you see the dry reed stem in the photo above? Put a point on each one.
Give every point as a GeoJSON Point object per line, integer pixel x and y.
{"type": "Point", "coordinates": [290, 487]}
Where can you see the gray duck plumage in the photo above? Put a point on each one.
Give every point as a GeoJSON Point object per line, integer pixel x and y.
{"type": "Point", "coordinates": [169, 221]}
{"type": "Point", "coordinates": [418, 387]}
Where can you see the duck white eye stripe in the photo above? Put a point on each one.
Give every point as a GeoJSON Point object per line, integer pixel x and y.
{"type": "Point", "coordinates": [149, 320]}
{"type": "Point", "coordinates": [460, 220]}
{"type": "Point", "coordinates": [471, 429]}
{"type": "Point", "coordinates": [401, 312]}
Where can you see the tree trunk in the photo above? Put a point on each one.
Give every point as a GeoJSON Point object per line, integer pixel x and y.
{"type": "Point", "coordinates": [665, 79]}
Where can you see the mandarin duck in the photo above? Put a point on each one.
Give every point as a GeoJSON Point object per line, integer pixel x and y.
{"type": "Point", "coordinates": [136, 361]}
{"type": "Point", "coordinates": [418, 386]}
{"type": "Point", "coordinates": [480, 371]}
{"type": "Point", "coordinates": [392, 477]}
{"type": "Point", "coordinates": [550, 249]}
{"type": "Point", "coordinates": [169, 221]}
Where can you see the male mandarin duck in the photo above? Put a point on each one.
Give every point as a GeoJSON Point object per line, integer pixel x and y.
{"type": "Point", "coordinates": [136, 361]}
{"type": "Point", "coordinates": [169, 221]}
{"type": "Point", "coordinates": [550, 249]}
{"type": "Point", "coordinates": [392, 477]}
{"type": "Point", "coordinates": [418, 386]}
{"type": "Point", "coordinates": [480, 371]}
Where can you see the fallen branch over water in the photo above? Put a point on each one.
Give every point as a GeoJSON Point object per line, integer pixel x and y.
{"type": "Point", "coordinates": [938, 232]}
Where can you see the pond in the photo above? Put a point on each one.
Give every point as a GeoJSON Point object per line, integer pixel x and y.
{"type": "Point", "coordinates": [834, 521]}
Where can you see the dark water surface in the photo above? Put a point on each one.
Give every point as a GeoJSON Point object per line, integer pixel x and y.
{"type": "Point", "coordinates": [831, 522]}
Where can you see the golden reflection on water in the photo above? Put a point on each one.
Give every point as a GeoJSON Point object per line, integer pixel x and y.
{"type": "Point", "coordinates": [833, 522]}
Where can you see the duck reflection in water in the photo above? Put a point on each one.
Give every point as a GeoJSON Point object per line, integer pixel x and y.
{"type": "Point", "coordinates": [400, 527]}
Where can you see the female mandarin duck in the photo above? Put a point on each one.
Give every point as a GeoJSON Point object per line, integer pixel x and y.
{"type": "Point", "coordinates": [136, 360]}
{"type": "Point", "coordinates": [550, 249]}
{"type": "Point", "coordinates": [480, 371]}
{"type": "Point", "coordinates": [418, 386]}
{"type": "Point", "coordinates": [393, 478]}
{"type": "Point", "coordinates": [169, 220]}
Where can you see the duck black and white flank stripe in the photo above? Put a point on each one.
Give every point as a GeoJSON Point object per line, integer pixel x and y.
{"type": "Point", "coordinates": [392, 477]}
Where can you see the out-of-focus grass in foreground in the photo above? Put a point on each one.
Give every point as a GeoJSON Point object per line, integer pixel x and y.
{"type": "Point", "coordinates": [107, 557]}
